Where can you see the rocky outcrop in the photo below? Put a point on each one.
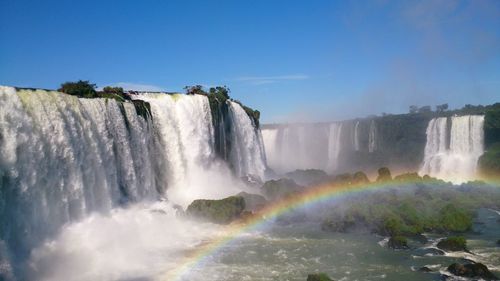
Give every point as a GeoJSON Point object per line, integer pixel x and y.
{"type": "Point", "coordinates": [398, 243]}
{"type": "Point", "coordinates": [221, 211]}
{"type": "Point", "coordinates": [475, 270]}
{"type": "Point", "coordinates": [318, 277]}
{"type": "Point", "coordinates": [453, 244]}
{"type": "Point", "coordinates": [308, 177]}
{"type": "Point", "coordinates": [253, 202]}
{"type": "Point", "coordinates": [276, 189]}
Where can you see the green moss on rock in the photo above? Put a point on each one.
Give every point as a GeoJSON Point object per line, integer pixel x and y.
{"type": "Point", "coordinates": [217, 211]}
{"type": "Point", "coordinates": [453, 244]}
{"type": "Point", "coordinates": [398, 242]}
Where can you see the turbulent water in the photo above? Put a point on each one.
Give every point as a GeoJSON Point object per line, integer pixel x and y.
{"type": "Point", "coordinates": [453, 147]}
{"type": "Point", "coordinates": [64, 159]}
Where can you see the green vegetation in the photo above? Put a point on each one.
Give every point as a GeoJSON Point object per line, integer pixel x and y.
{"type": "Point", "coordinates": [489, 162]}
{"type": "Point", "coordinates": [418, 205]}
{"type": "Point", "coordinates": [85, 89]}
{"type": "Point", "coordinates": [217, 211]}
{"type": "Point", "coordinates": [217, 97]}
{"type": "Point", "coordinates": [318, 277]}
{"type": "Point", "coordinates": [80, 88]}
{"type": "Point", "coordinates": [384, 174]}
{"type": "Point", "coordinates": [398, 242]}
{"type": "Point", "coordinates": [452, 218]}
{"type": "Point", "coordinates": [453, 244]}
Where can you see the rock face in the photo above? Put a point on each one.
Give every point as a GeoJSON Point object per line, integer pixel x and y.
{"type": "Point", "coordinates": [217, 211]}
{"type": "Point", "coordinates": [276, 189]}
{"type": "Point", "coordinates": [398, 242]}
{"type": "Point", "coordinates": [476, 270]}
{"type": "Point", "coordinates": [318, 277]}
{"type": "Point", "coordinates": [453, 244]}
{"type": "Point", "coordinates": [253, 202]}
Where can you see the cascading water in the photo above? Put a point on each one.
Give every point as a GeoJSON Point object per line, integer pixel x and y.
{"type": "Point", "coordinates": [334, 146]}
{"type": "Point", "coordinates": [356, 136]}
{"type": "Point", "coordinates": [372, 137]}
{"type": "Point", "coordinates": [62, 158]}
{"type": "Point", "coordinates": [247, 152]}
{"type": "Point", "coordinates": [91, 164]}
{"type": "Point", "coordinates": [296, 147]}
{"type": "Point", "coordinates": [184, 124]}
{"type": "Point", "coordinates": [458, 162]}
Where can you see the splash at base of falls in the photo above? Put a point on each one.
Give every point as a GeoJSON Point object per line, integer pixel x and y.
{"type": "Point", "coordinates": [139, 242]}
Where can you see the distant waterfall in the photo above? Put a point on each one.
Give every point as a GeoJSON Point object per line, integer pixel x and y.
{"type": "Point", "coordinates": [247, 149]}
{"type": "Point", "coordinates": [62, 157]}
{"type": "Point", "coordinates": [356, 136]}
{"type": "Point", "coordinates": [296, 147]}
{"type": "Point", "coordinates": [334, 146]}
{"type": "Point", "coordinates": [372, 137]}
{"type": "Point", "coordinates": [458, 161]}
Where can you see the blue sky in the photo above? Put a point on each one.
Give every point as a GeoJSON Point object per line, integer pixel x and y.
{"type": "Point", "coordinates": [293, 60]}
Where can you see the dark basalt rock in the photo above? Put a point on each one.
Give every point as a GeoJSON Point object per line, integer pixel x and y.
{"type": "Point", "coordinates": [318, 277]}
{"type": "Point", "coordinates": [475, 270]}
{"type": "Point", "coordinates": [398, 242]}
{"type": "Point", "coordinates": [425, 269]}
{"type": "Point", "coordinates": [221, 211]}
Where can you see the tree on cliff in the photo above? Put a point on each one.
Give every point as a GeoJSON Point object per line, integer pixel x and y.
{"type": "Point", "coordinates": [220, 92]}
{"type": "Point", "coordinates": [80, 88]}
{"type": "Point", "coordinates": [413, 109]}
{"type": "Point", "coordinates": [113, 90]}
{"type": "Point", "coordinates": [442, 108]}
{"type": "Point", "coordinates": [195, 90]}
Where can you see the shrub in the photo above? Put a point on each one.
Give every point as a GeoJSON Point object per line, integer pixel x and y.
{"type": "Point", "coordinates": [80, 88]}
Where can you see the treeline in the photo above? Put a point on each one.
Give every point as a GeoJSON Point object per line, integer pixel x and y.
{"type": "Point", "coordinates": [85, 89]}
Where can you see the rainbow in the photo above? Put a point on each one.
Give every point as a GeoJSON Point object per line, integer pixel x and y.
{"type": "Point", "coordinates": [309, 197]}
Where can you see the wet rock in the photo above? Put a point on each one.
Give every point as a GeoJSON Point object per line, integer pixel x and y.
{"type": "Point", "coordinates": [217, 211]}
{"type": "Point", "coordinates": [425, 269]}
{"type": "Point", "coordinates": [276, 189]}
{"type": "Point", "coordinates": [253, 202]}
{"type": "Point", "coordinates": [318, 277]}
{"type": "Point", "coordinates": [308, 177]}
{"type": "Point", "coordinates": [475, 270]}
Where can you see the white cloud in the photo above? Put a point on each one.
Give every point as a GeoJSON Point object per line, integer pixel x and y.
{"type": "Point", "coordinates": [138, 87]}
{"type": "Point", "coordinates": [260, 80]}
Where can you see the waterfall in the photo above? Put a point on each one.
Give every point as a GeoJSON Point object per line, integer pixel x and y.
{"type": "Point", "coordinates": [247, 152]}
{"type": "Point", "coordinates": [458, 161]}
{"type": "Point", "coordinates": [62, 158]}
{"type": "Point", "coordinates": [334, 146]}
{"type": "Point", "coordinates": [272, 146]}
{"type": "Point", "coordinates": [356, 136]}
{"type": "Point", "coordinates": [293, 147]}
{"type": "Point", "coordinates": [372, 137]}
